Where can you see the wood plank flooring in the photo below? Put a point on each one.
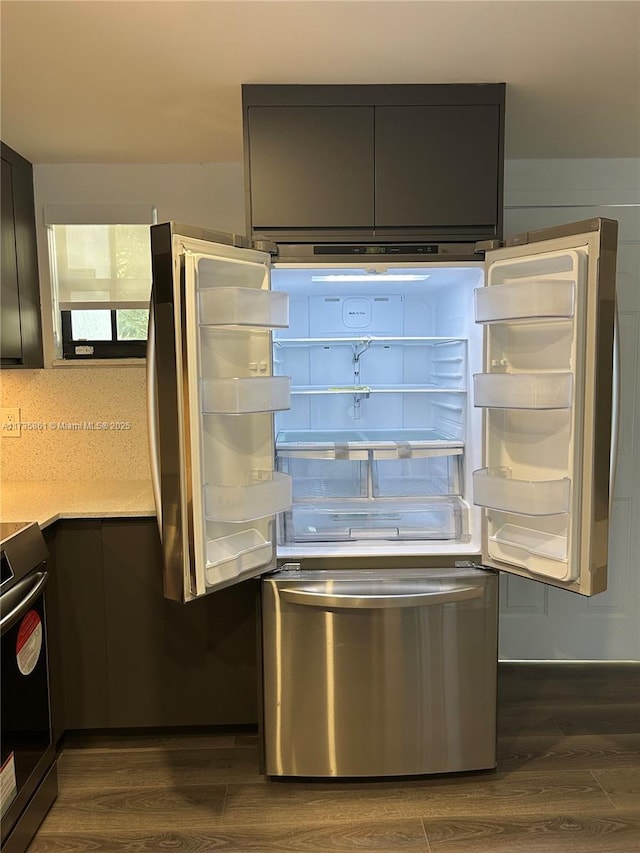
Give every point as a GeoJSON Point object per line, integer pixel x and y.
{"type": "Point", "coordinates": [568, 781]}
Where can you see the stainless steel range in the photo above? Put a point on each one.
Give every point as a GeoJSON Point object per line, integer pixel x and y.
{"type": "Point", "coordinates": [28, 780]}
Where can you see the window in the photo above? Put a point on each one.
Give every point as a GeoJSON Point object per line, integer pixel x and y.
{"type": "Point", "coordinates": [101, 277]}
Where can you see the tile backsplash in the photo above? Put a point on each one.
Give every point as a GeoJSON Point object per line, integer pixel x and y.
{"type": "Point", "coordinates": [76, 424]}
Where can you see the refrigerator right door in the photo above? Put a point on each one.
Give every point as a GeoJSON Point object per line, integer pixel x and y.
{"type": "Point", "coordinates": [547, 391]}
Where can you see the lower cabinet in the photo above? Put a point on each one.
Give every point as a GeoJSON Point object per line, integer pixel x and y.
{"type": "Point", "coordinates": [126, 656]}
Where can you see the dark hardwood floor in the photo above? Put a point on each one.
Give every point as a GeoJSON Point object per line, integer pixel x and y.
{"type": "Point", "coordinates": [568, 781]}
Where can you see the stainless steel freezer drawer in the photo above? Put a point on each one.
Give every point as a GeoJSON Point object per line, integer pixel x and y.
{"type": "Point", "coordinates": [379, 672]}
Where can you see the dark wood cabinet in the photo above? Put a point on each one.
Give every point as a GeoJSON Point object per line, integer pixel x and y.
{"type": "Point", "coordinates": [21, 332]}
{"type": "Point", "coordinates": [173, 664]}
{"type": "Point", "coordinates": [125, 657]}
{"type": "Point", "coordinates": [312, 166]}
{"type": "Point", "coordinates": [437, 168]}
{"type": "Point", "coordinates": [79, 581]}
{"type": "Point", "coordinates": [374, 162]}
{"type": "Point", "coordinates": [54, 644]}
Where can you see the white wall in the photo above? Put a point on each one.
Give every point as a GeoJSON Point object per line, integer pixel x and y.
{"type": "Point", "coordinates": [210, 195]}
{"type": "Point", "coordinates": [206, 194]}
{"type": "Point", "coordinates": [539, 622]}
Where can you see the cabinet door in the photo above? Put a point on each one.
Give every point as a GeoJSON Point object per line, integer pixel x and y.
{"type": "Point", "coordinates": [21, 325]}
{"type": "Point", "coordinates": [54, 643]}
{"type": "Point", "coordinates": [171, 665]}
{"type": "Point", "coordinates": [11, 339]}
{"type": "Point", "coordinates": [311, 167]}
{"type": "Point", "coordinates": [81, 624]}
{"type": "Point", "coordinates": [438, 167]}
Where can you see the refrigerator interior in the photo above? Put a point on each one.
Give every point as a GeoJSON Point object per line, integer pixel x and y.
{"type": "Point", "coordinates": [382, 436]}
{"type": "Point", "coordinates": [406, 399]}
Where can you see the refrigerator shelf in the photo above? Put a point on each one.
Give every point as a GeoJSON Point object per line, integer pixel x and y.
{"type": "Point", "coordinates": [364, 452]}
{"type": "Point", "coordinates": [367, 339]}
{"type": "Point", "coordinates": [495, 489]}
{"type": "Point", "coordinates": [243, 306]}
{"type": "Point", "coordinates": [245, 395]}
{"type": "Point", "coordinates": [374, 389]}
{"type": "Point", "coordinates": [523, 390]}
{"type": "Point", "coordinates": [549, 299]}
{"type": "Point", "coordinates": [357, 444]}
{"type": "Point", "coordinates": [233, 555]}
{"type": "Point", "coordinates": [259, 499]}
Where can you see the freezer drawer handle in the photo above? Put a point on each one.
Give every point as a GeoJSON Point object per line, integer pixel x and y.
{"type": "Point", "coordinates": [375, 602]}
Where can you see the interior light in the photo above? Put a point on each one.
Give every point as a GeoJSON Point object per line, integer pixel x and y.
{"type": "Point", "coordinates": [370, 277]}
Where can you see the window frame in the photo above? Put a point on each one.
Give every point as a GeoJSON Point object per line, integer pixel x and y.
{"type": "Point", "coordinates": [72, 349]}
{"type": "Point", "coordinates": [66, 349]}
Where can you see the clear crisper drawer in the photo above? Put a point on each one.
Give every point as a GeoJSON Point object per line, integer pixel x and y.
{"type": "Point", "coordinates": [385, 520]}
{"type": "Point", "coordinates": [241, 396]}
{"type": "Point", "coordinates": [431, 475]}
{"type": "Point", "coordinates": [531, 300]}
{"type": "Point", "coordinates": [269, 493]}
{"type": "Point", "coordinates": [523, 390]}
{"type": "Point", "coordinates": [494, 488]}
{"type": "Point", "coordinates": [325, 478]}
{"type": "Point", "coordinates": [243, 306]}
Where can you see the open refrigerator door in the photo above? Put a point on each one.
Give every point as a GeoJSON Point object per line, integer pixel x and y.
{"type": "Point", "coordinates": [216, 399]}
{"type": "Point", "coordinates": [548, 309]}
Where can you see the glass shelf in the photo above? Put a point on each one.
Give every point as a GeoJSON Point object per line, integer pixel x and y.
{"type": "Point", "coordinates": [528, 301]}
{"type": "Point", "coordinates": [244, 396]}
{"type": "Point", "coordinates": [523, 390]}
{"type": "Point", "coordinates": [495, 489]}
{"type": "Point", "coordinates": [363, 390]}
{"type": "Point", "coordinates": [362, 444]}
{"type": "Point", "coordinates": [364, 339]}
{"type": "Point", "coordinates": [243, 306]}
{"type": "Point", "coordinates": [258, 499]}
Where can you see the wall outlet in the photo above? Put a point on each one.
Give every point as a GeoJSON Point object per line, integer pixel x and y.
{"type": "Point", "coordinates": [10, 423]}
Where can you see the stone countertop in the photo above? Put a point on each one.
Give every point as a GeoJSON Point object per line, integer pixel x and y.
{"type": "Point", "coordinates": [47, 501]}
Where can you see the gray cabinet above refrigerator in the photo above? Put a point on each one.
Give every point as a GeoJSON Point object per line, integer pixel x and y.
{"type": "Point", "coordinates": [343, 162]}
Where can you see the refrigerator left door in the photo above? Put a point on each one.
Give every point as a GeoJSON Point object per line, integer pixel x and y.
{"type": "Point", "coordinates": [213, 312]}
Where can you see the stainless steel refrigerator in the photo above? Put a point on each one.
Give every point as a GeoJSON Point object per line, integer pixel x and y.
{"type": "Point", "coordinates": [378, 431]}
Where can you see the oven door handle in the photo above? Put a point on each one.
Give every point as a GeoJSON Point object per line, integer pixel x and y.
{"type": "Point", "coordinates": [16, 602]}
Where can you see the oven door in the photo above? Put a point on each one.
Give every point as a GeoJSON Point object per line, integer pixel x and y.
{"type": "Point", "coordinates": [27, 748]}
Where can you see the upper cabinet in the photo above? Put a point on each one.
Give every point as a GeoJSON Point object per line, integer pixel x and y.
{"type": "Point", "coordinates": [343, 163]}
{"type": "Point", "coordinates": [21, 335]}
{"type": "Point", "coordinates": [312, 167]}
